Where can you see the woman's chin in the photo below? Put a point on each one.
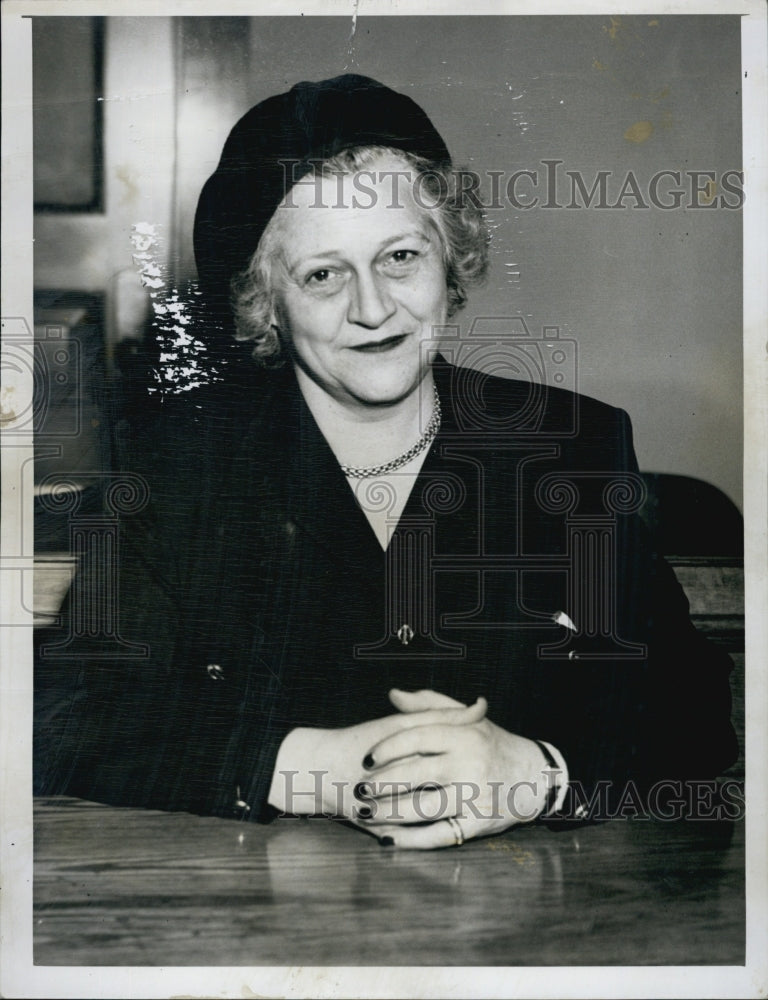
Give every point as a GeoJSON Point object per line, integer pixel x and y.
{"type": "Point", "coordinates": [367, 384]}
{"type": "Point", "coordinates": [374, 387]}
{"type": "Point", "coordinates": [384, 393]}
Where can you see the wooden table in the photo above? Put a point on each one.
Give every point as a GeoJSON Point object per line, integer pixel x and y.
{"type": "Point", "coordinates": [134, 887]}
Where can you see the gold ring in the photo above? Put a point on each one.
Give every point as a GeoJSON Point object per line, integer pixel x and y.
{"type": "Point", "coordinates": [458, 833]}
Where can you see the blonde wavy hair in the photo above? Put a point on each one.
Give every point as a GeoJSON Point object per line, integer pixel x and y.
{"type": "Point", "coordinates": [456, 214]}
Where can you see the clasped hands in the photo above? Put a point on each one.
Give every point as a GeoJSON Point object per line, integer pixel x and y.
{"type": "Point", "coordinates": [428, 776]}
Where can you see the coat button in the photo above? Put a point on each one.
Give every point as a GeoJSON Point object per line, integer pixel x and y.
{"type": "Point", "coordinates": [215, 672]}
{"type": "Point", "coordinates": [405, 634]}
{"type": "Point", "coordinates": [241, 808]}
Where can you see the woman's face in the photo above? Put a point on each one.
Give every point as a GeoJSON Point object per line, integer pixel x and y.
{"type": "Point", "coordinates": [359, 283]}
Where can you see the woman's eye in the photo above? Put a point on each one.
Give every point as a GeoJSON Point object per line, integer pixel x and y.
{"type": "Point", "coordinates": [401, 261]}
{"type": "Point", "coordinates": [324, 279]}
{"type": "Point", "coordinates": [404, 256]}
{"type": "Point", "coordinates": [319, 277]}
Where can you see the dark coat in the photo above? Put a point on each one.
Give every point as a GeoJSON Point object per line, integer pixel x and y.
{"type": "Point", "coordinates": [265, 602]}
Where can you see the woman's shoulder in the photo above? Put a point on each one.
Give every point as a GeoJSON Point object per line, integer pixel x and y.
{"type": "Point", "coordinates": [484, 402]}
{"type": "Point", "coordinates": [203, 425]}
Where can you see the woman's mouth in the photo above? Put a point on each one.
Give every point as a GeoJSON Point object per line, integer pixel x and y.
{"type": "Point", "coordinates": [380, 346]}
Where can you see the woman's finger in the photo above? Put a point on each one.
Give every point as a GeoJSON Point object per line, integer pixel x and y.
{"type": "Point", "coordinates": [427, 804]}
{"type": "Point", "coordinates": [444, 833]}
{"type": "Point", "coordinates": [420, 701]}
{"type": "Point", "coordinates": [423, 740]}
{"type": "Point", "coordinates": [436, 716]}
{"type": "Point", "coordinates": [404, 776]}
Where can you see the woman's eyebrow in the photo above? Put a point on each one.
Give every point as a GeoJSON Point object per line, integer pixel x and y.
{"type": "Point", "coordinates": [409, 234]}
{"type": "Point", "coordinates": [293, 265]}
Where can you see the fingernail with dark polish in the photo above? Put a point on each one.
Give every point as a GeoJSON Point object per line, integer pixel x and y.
{"type": "Point", "coordinates": [368, 761]}
{"type": "Point", "coordinates": [386, 842]}
{"type": "Point", "coordinates": [362, 790]}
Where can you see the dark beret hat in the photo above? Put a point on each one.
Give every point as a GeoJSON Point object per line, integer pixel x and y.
{"type": "Point", "coordinates": [311, 122]}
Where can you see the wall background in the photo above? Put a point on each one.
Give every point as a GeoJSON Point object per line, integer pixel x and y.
{"type": "Point", "coordinates": [652, 298]}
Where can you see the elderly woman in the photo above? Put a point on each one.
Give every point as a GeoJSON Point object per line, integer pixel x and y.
{"type": "Point", "coordinates": [373, 585]}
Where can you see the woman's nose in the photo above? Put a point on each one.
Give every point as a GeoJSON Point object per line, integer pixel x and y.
{"type": "Point", "coordinates": [370, 303]}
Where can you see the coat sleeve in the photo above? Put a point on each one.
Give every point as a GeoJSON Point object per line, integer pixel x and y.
{"type": "Point", "coordinates": [141, 709]}
{"type": "Point", "coordinates": [633, 723]}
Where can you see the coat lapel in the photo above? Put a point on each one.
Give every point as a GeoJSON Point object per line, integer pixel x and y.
{"type": "Point", "coordinates": [307, 488]}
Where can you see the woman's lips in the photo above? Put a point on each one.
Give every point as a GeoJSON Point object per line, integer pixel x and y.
{"type": "Point", "coordinates": [379, 346]}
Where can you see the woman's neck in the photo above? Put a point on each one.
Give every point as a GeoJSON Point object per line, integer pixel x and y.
{"type": "Point", "coordinates": [365, 435]}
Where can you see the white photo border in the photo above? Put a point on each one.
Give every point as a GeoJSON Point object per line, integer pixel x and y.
{"type": "Point", "coordinates": [20, 977]}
